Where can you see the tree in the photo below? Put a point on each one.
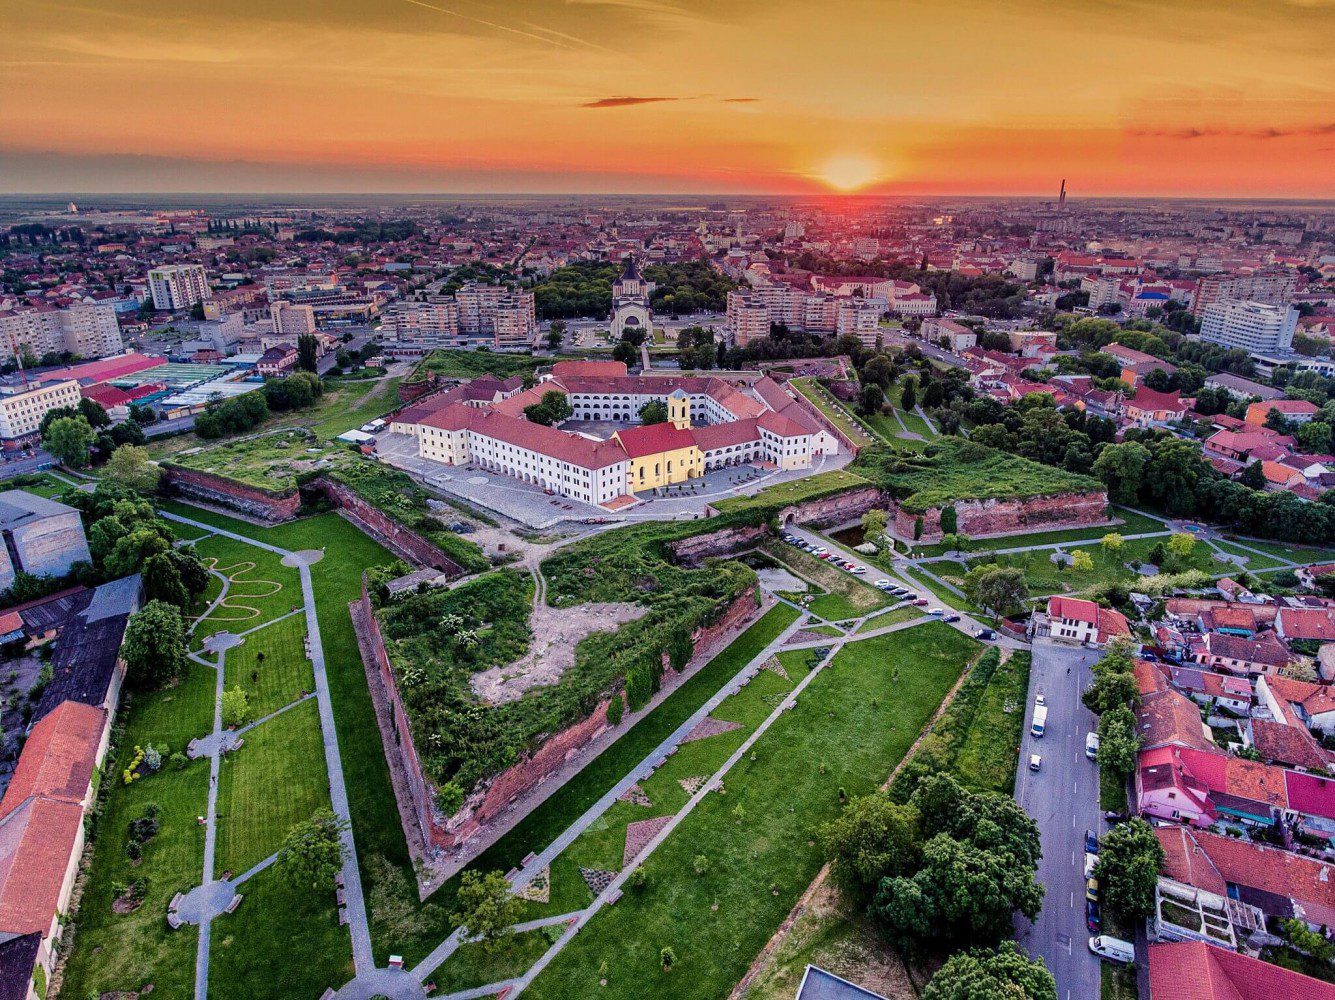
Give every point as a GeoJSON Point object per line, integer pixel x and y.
{"type": "Point", "coordinates": [235, 706]}
{"type": "Point", "coordinates": [129, 466]}
{"type": "Point", "coordinates": [556, 334]}
{"type": "Point", "coordinates": [873, 838]}
{"type": "Point", "coordinates": [1121, 467]}
{"type": "Point", "coordinates": [626, 353]}
{"type": "Point", "coordinates": [908, 398]}
{"type": "Point", "coordinates": [654, 412]}
{"type": "Point", "coordinates": [487, 908]}
{"type": "Point", "coordinates": [1181, 545]}
{"type": "Point", "coordinates": [132, 552]}
{"type": "Point", "coordinates": [1253, 476]}
{"type": "Point", "coordinates": [312, 852]}
{"type": "Point", "coordinates": [874, 523]}
{"type": "Point", "coordinates": [551, 409]}
{"type": "Point", "coordinates": [69, 440]}
{"type": "Point", "coordinates": [1004, 974]}
{"type": "Point", "coordinates": [1081, 561]}
{"type": "Point", "coordinates": [162, 581]}
{"type": "Point", "coordinates": [1113, 544]}
{"type": "Point", "coordinates": [1119, 746]}
{"type": "Point", "coordinates": [154, 647]}
{"type": "Point", "coordinates": [1000, 589]}
{"type": "Point", "coordinates": [1130, 859]}
{"type": "Point", "coordinates": [1111, 689]}
{"type": "Point", "coordinates": [308, 350]}
{"type": "Point", "coordinates": [871, 400]}
{"type": "Point", "coordinates": [949, 519]}
{"type": "Point", "coordinates": [1315, 437]}
{"type": "Point", "coordinates": [92, 411]}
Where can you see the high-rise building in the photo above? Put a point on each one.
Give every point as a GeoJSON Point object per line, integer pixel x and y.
{"type": "Point", "coordinates": [178, 286]}
{"type": "Point", "coordinates": [476, 315]}
{"type": "Point", "coordinates": [90, 331]}
{"type": "Point", "coordinates": [291, 320]}
{"type": "Point", "coordinates": [1257, 327]}
{"type": "Point", "coordinates": [1272, 287]}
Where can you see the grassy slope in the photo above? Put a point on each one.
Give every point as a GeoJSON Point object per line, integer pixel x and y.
{"type": "Point", "coordinates": [758, 867]}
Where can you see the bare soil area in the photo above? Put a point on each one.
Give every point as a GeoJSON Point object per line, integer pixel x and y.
{"type": "Point", "coordinates": [556, 633]}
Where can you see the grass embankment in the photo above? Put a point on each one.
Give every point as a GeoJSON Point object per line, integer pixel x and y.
{"type": "Point", "coordinates": [834, 411]}
{"type": "Point", "coordinates": [370, 400]}
{"type": "Point", "coordinates": [1132, 523]}
{"type": "Point", "coordinates": [817, 487]}
{"type": "Point", "coordinates": [471, 364]}
{"type": "Point", "coordinates": [126, 951]}
{"type": "Point", "coordinates": [976, 739]}
{"type": "Point", "coordinates": [892, 617]}
{"type": "Point", "coordinates": [848, 729]}
{"type": "Point", "coordinates": [844, 595]}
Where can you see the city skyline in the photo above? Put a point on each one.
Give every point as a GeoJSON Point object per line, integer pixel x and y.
{"type": "Point", "coordinates": [655, 97]}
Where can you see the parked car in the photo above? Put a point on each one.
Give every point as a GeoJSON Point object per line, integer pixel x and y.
{"type": "Point", "coordinates": [1035, 762]}
{"type": "Point", "coordinates": [1040, 699]}
{"type": "Point", "coordinates": [1090, 861]}
{"type": "Point", "coordinates": [1092, 746]}
{"type": "Point", "coordinates": [1092, 888]}
{"type": "Point", "coordinates": [921, 602]}
{"type": "Point", "coordinates": [1092, 920]}
{"type": "Point", "coordinates": [985, 633]}
{"type": "Point", "coordinates": [936, 612]}
{"type": "Point", "coordinates": [1113, 818]}
{"type": "Point", "coordinates": [951, 618]}
{"type": "Point", "coordinates": [1091, 842]}
{"type": "Point", "coordinates": [859, 570]}
{"type": "Point", "coordinates": [883, 585]}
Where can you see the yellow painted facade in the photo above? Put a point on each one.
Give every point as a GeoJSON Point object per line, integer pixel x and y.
{"type": "Point", "coordinates": [666, 468]}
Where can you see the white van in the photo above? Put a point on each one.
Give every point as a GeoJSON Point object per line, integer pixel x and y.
{"type": "Point", "coordinates": [1092, 746]}
{"type": "Point", "coordinates": [1113, 949]}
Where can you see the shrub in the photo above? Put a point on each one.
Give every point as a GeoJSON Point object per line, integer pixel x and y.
{"type": "Point", "coordinates": [615, 709]}
{"type": "Point", "coordinates": [668, 958]}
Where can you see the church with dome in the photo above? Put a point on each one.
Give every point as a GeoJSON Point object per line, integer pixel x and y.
{"type": "Point", "coordinates": [630, 302]}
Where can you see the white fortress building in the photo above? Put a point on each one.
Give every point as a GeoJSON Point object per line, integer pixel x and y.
{"type": "Point", "coordinates": [711, 424]}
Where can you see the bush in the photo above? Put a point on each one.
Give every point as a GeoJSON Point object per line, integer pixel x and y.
{"type": "Point", "coordinates": [615, 709]}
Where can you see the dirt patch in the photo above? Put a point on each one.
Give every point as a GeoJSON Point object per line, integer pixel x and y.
{"type": "Point", "coordinates": [707, 727]}
{"type": "Point", "coordinates": [638, 835]}
{"type": "Point", "coordinates": [556, 633]}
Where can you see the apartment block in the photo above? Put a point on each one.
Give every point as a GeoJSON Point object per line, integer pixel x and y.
{"type": "Point", "coordinates": [1256, 327]}
{"type": "Point", "coordinates": [178, 286]}
{"type": "Point", "coordinates": [22, 410]}
{"type": "Point", "coordinates": [90, 331]}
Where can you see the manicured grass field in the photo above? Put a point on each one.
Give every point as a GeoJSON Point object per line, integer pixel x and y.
{"type": "Point", "coordinates": [1133, 523]}
{"type": "Point", "coordinates": [283, 941]}
{"type": "Point", "coordinates": [473, 965]}
{"type": "Point", "coordinates": [1294, 553]}
{"type": "Point", "coordinates": [276, 780]}
{"type": "Point", "coordinates": [923, 582]}
{"type": "Point", "coordinates": [829, 630]}
{"type": "Point", "coordinates": [261, 588]}
{"type": "Point", "coordinates": [759, 861]}
{"type": "Point", "coordinates": [1255, 561]}
{"type": "Point", "coordinates": [271, 666]}
{"type": "Point", "coordinates": [123, 952]}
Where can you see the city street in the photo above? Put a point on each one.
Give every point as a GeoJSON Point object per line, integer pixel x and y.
{"type": "Point", "coordinates": [1063, 797]}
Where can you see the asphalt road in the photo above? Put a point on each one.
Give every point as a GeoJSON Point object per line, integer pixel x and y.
{"type": "Point", "coordinates": [1063, 797]}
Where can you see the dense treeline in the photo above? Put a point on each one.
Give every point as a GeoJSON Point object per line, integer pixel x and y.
{"type": "Point", "coordinates": [583, 288]}
{"type": "Point", "coordinates": [992, 295]}
{"type": "Point", "coordinates": [363, 231]}
{"type": "Point", "coordinates": [688, 287]}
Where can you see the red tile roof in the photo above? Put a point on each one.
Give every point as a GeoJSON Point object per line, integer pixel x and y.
{"type": "Point", "coordinates": [1193, 970]}
{"type": "Point", "coordinates": [1073, 609]}
{"type": "Point", "coordinates": [58, 759]}
{"type": "Point", "coordinates": [594, 368]}
{"type": "Point", "coordinates": [37, 841]}
{"type": "Point", "coordinates": [103, 371]}
{"type": "Point", "coordinates": [653, 439]}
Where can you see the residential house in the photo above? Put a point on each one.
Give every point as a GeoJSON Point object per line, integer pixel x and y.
{"type": "Point", "coordinates": [1194, 970]}
{"type": "Point", "coordinates": [1148, 408]}
{"type": "Point", "coordinates": [1234, 654]}
{"type": "Point", "coordinates": [1071, 619]}
{"type": "Point", "coordinates": [1297, 411]}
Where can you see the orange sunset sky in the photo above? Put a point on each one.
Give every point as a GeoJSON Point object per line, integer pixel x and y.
{"type": "Point", "coordinates": [1123, 97]}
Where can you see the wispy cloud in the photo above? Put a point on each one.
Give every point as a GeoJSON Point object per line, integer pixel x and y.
{"type": "Point", "coordinates": [1211, 132]}
{"type": "Point", "coordinates": [625, 102]}
{"type": "Point", "coordinates": [740, 100]}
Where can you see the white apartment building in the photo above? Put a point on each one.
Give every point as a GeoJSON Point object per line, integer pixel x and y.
{"type": "Point", "coordinates": [1272, 287]}
{"type": "Point", "coordinates": [1102, 289]}
{"type": "Point", "coordinates": [178, 286]}
{"type": "Point", "coordinates": [88, 330]}
{"type": "Point", "coordinates": [22, 410]}
{"type": "Point", "coordinates": [914, 304]}
{"type": "Point", "coordinates": [494, 313]}
{"type": "Point", "coordinates": [1252, 326]}
{"type": "Point", "coordinates": [751, 314]}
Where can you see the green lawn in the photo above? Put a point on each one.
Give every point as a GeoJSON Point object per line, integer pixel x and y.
{"type": "Point", "coordinates": [1255, 562]}
{"type": "Point", "coordinates": [923, 582]}
{"type": "Point", "coordinates": [1294, 553]}
{"type": "Point", "coordinates": [830, 630]}
{"type": "Point", "coordinates": [475, 965]}
{"type": "Point", "coordinates": [822, 484]}
{"type": "Point", "coordinates": [360, 403]}
{"type": "Point", "coordinates": [276, 780]}
{"type": "Point", "coordinates": [261, 589]}
{"type": "Point", "coordinates": [124, 952]}
{"type": "Point", "coordinates": [716, 921]}
{"type": "Point", "coordinates": [990, 745]}
{"type": "Point", "coordinates": [282, 941]}
{"type": "Point", "coordinates": [271, 666]}
{"type": "Point", "coordinates": [892, 617]}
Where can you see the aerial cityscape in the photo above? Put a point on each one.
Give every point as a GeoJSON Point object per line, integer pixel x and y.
{"type": "Point", "coordinates": [650, 498]}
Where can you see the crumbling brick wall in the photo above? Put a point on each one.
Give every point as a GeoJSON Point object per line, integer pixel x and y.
{"type": "Point", "coordinates": [696, 549]}
{"type": "Point", "coordinates": [981, 518]}
{"type": "Point", "coordinates": [402, 541]}
{"type": "Point", "coordinates": [836, 509]}
{"type": "Point", "coordinates": [227, 493]}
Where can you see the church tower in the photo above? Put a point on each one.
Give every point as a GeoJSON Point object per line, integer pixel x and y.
{"type": "Point", "coordinates": [679, 410]}
{"type": "Point", "coordinates": [630, 302]}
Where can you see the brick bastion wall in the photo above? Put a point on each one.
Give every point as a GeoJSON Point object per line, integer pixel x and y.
{"type": "Point", "coordinates": [500, 802]}
{"type": "Point", "coordinates": [228, 493]}
{"type": "Point", "coordinates": [977, 518]}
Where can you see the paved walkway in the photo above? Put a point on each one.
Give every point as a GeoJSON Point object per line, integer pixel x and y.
{"type": "Point", "coordinates": [362, 955]}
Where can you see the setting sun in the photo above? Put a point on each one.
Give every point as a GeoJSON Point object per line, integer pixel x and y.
{"type": "Point", "coordinates": [849, 172]}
